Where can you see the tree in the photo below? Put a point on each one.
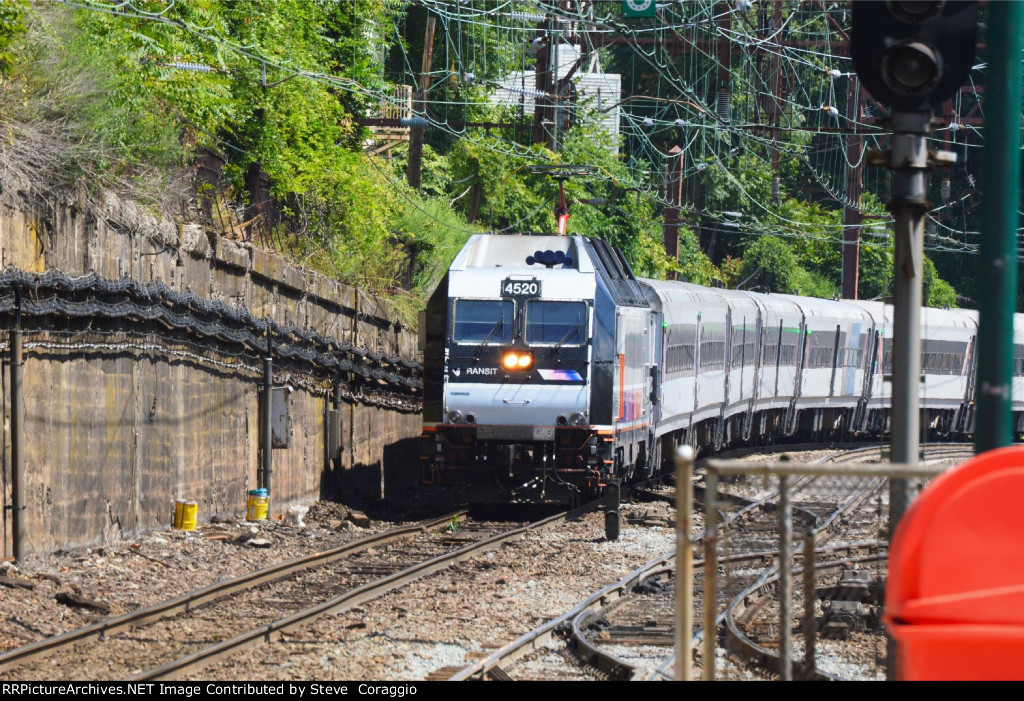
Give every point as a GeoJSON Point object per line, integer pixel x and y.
{"type": "Point", "coordinates": [769, 263]}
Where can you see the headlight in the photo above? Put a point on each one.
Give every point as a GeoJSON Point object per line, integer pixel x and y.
{"type": "Point", "coordinates": [577, 419]}
{"type": "Point", "coordinates": [455, 416]}
{"type": "Point", "coordinates": [517, 361]}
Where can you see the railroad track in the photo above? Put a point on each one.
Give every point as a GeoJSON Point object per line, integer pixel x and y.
{"type": "Point", "coordinates": [155, 632]}
{"type": "Point", "coordinates": [173, 638]}
{"type": "Point", "coordinates": [374, 587]}
{"type": "Point", "coordinates": [492, 667]}
{"type": "Point", "coordinates": [637, 612]}
{"type": "Point", "coordinates": [609, 617]}
{"type": "Point", "coordinates": [740, 619]}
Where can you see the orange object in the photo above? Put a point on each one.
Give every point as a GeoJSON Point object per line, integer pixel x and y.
{"type": "Point", "coordinates": [955, 593]}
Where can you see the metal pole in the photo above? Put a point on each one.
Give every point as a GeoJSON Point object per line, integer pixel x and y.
{"type": "Point", "coordinates": [1000, 184]}
{"type": "Point", "coordinates": [268, 401]}
{"type": "Point", "coordinates": [17, 432]}
{"type": "Point", "coordinates": [785, 581]}
{"type": "Point", "coordinates": [684, 564]}
{"type": "Point", "coordinates": [852, 191]}
{"type": "Point", "coordinates": [909, 202]}
{"type": "Point", "coordinates": [710, 572]}
{"type": "Point", "coordinates": [908, 159]}
{"type": "Point", "coordinates": [810, 632]}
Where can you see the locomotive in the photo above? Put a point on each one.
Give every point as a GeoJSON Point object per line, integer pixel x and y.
{"type": "Point", "coordinates": [553, 374]}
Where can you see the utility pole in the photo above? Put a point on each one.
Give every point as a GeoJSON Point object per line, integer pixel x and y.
{"type": "Point", "coordinates": [774, 103]}
{"type": "Point", "coordinates": [910, 162]}
{"type": "Point", "coordinates": [1000, 183]}
{"type": "Point", "coordinates": [420, 106]}
{"type": "Point", "coordinates": [674, 195]}
{"type": "Point", "coordinates": [541, 76]}
{"type": "Point", "coordinates": [17, 436]}
{"type": "Point", "coordinates": [723, 98]}
{"type": "Point", "coordinates": [852, 194]}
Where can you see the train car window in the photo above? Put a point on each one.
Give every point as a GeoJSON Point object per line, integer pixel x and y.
{"type": "Point", "coordinates": [712, 349]}
{"type": "Point", "coordinates": [680, 351]}
{"type": "Point", "coordinates": [1018, 360]}
{"type": "Point", "coordinates": [563, 323]}
{"type": "Point", "coordinates": [791, 338]}
{"type": "Point", "coordinates": [788, 356]}
{"type": "Point", "coordinates": [483, 321]}
{"type": "Point", "coordinates": [886, 355]}
{"type": "Point", "coordinates": [940, 357]}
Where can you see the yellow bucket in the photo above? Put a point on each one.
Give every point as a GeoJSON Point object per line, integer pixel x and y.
{"type": "Point", "coordinates": [185, 514]}
{"type": "Point", "coordinates": [257, 505]}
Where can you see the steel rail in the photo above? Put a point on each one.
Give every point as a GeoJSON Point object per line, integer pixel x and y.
{"type": "Point", "coordinates": [867, 489]}
{"type": "Point", "coordinates": [754, 595]}
{"type": "Point", "coordinates": [773, 574]}
{"type": "Point", "coordinates": [350, 599]}
{"type": "Point", "coordinates": [664, 671]}
{"type": "Point", "coordinates": [531, 641]}
{"type": "Point", "coordinates": [605, 598]}
{"type": "Point", "coordinates": [204, 595]}
{"type": "Point", "coordinates": [592, 654]}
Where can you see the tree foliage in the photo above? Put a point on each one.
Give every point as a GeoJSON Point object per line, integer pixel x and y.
{"type": "Point", "coordinates": [12, 25]}
{"type": "Point", "coordinates": [770, 265]}
{"type": "Point", "coordinates": [280, 85]}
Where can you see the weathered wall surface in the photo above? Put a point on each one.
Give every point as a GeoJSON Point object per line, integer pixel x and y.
{"type": "Point", "coordinates": [117, 427]}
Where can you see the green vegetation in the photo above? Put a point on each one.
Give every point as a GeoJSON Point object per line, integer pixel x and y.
{"type": "Point", "coordinates": [122, 99]}
{"type": "Point", "coordinates": [12, 24]}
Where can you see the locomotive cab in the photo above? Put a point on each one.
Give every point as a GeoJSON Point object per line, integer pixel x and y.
{"type": "Point", "coordinates": [508, 353]}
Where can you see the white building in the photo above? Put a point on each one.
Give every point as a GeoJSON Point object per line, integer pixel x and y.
{"type": "Point", "coordinates": [596, 92]}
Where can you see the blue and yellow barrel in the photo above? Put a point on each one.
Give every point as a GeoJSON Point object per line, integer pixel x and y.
{"type": "Point", "coordinates": [259, 502]}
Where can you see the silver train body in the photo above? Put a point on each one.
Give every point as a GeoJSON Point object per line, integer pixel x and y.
{"type": "Point", "coordinates": [550, 370]}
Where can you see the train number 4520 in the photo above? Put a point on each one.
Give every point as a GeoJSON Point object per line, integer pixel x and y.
{"type": "Point", "coordinates": [520, 288]}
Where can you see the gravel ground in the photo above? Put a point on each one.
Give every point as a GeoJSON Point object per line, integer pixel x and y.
{"type": "Point", "coordinates": [446, 620]}
{"type": "Point", "coordinates": [462, 613]}
{"type": "Point", "coordinates": [131, 574]}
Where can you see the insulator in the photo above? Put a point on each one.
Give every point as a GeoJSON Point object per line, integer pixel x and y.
{"type": "Point", "coordinates": [527, 16]}
{"type": "Point", "coordinates": [945, 189]}
{"type": "Point", "coordinates": [198, 68]}
{"type": "Point", "coordinates": [776, 187]}
{"type": "Point", "coordinates": [722, 106]}
{"type": "Point", "coordinates": [930, 229]}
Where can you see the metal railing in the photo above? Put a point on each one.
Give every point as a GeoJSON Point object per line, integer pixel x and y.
{"type": "Point", "coordinates": [829, 502]}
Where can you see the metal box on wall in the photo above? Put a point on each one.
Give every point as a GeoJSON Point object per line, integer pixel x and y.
{"type": "Point", "coordinates": [334, 442]}
{"type": "Point", "coordinates": [280, 418]}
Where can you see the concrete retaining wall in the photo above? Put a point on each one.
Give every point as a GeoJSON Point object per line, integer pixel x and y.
{"type": "Point", "coordinates": [117, 428]}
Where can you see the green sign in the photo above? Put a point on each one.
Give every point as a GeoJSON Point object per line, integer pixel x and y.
{"type": "Point", "coordinates": [639, 8]}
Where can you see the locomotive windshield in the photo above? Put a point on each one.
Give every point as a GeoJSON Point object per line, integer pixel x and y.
{"type": "Point", "coordinates": [556, 322]}
{"type": "Point", "coordinates": [483, 321]}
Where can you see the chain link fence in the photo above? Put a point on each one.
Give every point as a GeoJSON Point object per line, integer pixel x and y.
{"type": "Point", "coordinates": [794, 558]}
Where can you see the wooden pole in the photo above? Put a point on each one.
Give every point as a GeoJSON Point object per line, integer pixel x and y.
{"type": "Point", "coordinates": [420, 106]}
